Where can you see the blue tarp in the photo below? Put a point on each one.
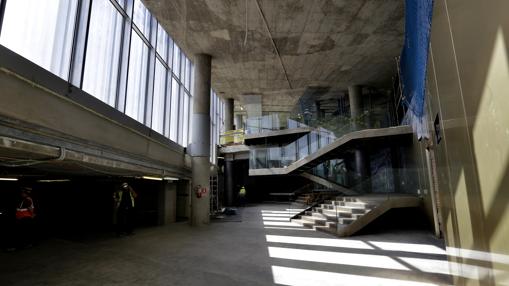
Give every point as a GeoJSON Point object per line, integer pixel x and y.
{"type": "Point", "coordinates": [414, 61]}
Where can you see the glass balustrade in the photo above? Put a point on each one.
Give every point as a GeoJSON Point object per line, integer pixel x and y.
{"type": "Point", "coordinates": [324, 131]}
{"type": "Point", "coordinates": [272, 122]}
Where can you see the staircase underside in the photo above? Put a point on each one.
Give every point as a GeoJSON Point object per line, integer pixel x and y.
{"type": "Point", "coordinates": [347, 215]}
{"type": "Point", "coordinates": [276, 137]}
{"type": "Point", "coordinates": [328, 184]}
{"type": "Point", "coordinates": [380, 137]}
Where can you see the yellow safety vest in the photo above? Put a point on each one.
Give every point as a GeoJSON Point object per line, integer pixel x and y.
{"type": "Point", "coordinates": [242, 191]}
{"type": "Point", "coordinates": [118, 198]}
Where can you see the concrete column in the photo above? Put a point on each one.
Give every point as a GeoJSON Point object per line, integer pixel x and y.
{"type": "Point", "coordinates": [361, 162]}
{"type": "Point", "coordinates": [228, 114]}
{"type": "Point", "coordinates": [168, 203]}
{"type": "Point", "coordinates": [228, 167]}
{"type": "Point", "coordinates": [355, 99]}
{"type": "Point", "coordinates": [200, 147]}
{"type": "Point", "coordinates": [229, 186]}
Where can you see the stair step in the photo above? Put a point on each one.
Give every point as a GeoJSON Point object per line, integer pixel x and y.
{"type": "Point", "coordinates": [338, 213]}
{"type": "Point", "coordinates": [345, 221]}
{"type": "Point", "coordinates": [318, 215]}
{"type": "Point", "coordinates": [357, 204]}
{"type": "Point", "coordinates": [352, 210]}
{"type": "Point", "coordinates": [314, 220]}
{"type": "Point", "coordinates": [302, 222]}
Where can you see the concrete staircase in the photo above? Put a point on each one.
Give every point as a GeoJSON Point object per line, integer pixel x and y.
{"type": "Point", "coordinates": [345, 216]}
{"type": "Point", "coordinates": [310, 199]}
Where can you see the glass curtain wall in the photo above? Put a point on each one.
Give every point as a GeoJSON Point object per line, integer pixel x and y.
{"type": "Point", "coordinates": [129, 61]}
{"type": "Point", "coordinates": [41, 31]}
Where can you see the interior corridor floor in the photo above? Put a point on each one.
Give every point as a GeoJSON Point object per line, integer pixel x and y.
{"type": "Point", "coordinates": [264, 249]}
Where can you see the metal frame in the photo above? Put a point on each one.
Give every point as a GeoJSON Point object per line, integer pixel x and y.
{"type": "Point", "coordinates": [80, 41]}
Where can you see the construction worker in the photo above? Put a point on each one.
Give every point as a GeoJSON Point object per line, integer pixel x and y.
{"type": "Point", "coordinates": [124, 200]}
{"type": "Point", "coordinates": [242, 196]}
{"type": "Point", "coordinates": [24, 227]}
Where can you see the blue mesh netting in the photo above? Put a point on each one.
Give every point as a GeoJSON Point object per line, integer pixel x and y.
{"type": "Point", "coordinates": [414, 60]}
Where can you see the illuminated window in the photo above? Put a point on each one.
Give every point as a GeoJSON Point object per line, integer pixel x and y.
{"type": "Point", "coordinates": [41, 31]}
{"type": "Point", "coordinates": [103, 51]}
{"type": "Point", "coordinates": [137, 79]}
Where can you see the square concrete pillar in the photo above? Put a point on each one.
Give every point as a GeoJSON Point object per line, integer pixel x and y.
{"type": "Point", "coordinates": [167, 212]}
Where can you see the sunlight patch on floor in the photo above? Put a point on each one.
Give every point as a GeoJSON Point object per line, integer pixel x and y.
{"type": "Point", "coordinates": [305, 277]}
{"type": "Point", "coordinates": [332, 242]}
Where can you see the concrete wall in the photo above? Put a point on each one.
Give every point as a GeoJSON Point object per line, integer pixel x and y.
{"type": "Point", "coordinates": [468, 79]}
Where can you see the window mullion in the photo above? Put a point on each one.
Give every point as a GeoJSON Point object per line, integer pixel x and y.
{"type": "Point", "coordinates": [149, 99]}
{"type": "Point", "coordinates": [80, 40]}
{"type": "Point", "coordinates": [125, 49]}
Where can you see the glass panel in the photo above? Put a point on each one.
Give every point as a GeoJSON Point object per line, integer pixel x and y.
{"type": "Point", "coordinates": [176, 60]}
{"type": "Point", "coordinates": [162, 42]}
{"type": "Point", "coordinates": [191, 89]}
{"type": "Point", "coordinates": [41, 31]}
{"type": "Point", "coordinates": [141, 17]}
{"type": "Point", "coordinates": [186, 119]}
{"type": "Point", "coordinates": [190, 131]}
{"type": "Point", "coordinates": [167, 109]}
{"type": "Point", "coordinates": [182, 68]}
{"type": "Point", "coordinates": [170, 51]}
{"type": "Point", "coordinates": [158, 100]}
{"type": "Point", "coordinates": [188, 75]}
{"type": "Point", "coordinates": [137, 78]}
{"type": "Point", "coordinates": [174, 109]}
{"type": "Point", "coordinates": [181, 116]}
{"type": "Point", "coordinates": [103, 52]}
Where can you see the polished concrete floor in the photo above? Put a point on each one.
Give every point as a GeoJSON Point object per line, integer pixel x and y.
{"type": "Point", "coordinates": [264, 249]}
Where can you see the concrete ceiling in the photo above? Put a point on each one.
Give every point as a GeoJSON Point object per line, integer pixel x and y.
{"type": "Point", "coordinates": [280, 48]}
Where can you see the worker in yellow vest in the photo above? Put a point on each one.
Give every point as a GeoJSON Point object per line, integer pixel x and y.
{"type": "Point", "coordinates": [242, 196]}
{"type": "Point", "coordinates": [125, 202]}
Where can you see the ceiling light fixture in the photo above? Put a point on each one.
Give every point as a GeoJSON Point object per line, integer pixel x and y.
{"type": "Point", "coordinates": [171, 179]}
{"type": "Point", "coordinates": [54, 181]}
{"type": "Point", "coordinates": [152, 178]}
{"type": "Point", "coordinates": [8, 179]}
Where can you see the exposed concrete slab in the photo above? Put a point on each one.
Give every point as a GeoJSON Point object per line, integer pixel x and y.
{"type": "Point", "coordinates": [265, 47]}
{"type": "Point", "coordinates": [234, 149]}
